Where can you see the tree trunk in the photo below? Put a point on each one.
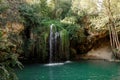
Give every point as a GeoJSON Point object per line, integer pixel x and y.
{"type": "Point", "coordinates": [113, 33]}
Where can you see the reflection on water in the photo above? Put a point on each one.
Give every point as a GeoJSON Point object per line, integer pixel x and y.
{"type": "Point", "coordinates": [83, 70]}
{"type": "Point", "coordinates": [51, 74]}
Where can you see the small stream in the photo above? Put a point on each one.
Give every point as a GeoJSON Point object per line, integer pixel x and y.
{"type": "Point", "coordinates": [82, 70]}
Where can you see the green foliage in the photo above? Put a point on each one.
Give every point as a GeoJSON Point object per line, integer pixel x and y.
{"type": "Point", "coordinates": [3, 6]}
{"type": "Point", "coordinates": [73, 30]}
{"type": "Point", "coordinates": [65, 6]}
{"type": "Point", "coordinates": [59, 8]}
{"type": "Point", "coordinates": [76, 33]}
{"type": "Point", "coordinates": [48, 22]}
{"type": "Point", "coordinates": [0, 34]}
{"type": "Point", "coordinates": [44, 9]}
{"type": "Point", "coordinates": [8, 59]}
{"type": "Point", "coordinates": [7, 62]}
{"type": "Point", "coordinates": [32, 18]}
{"type": "Point", "coordinates": [8, 55]}
{"type": "Point", "coordinates": [65, 43]}
{"type": "Point", "coordinates": [6, 67]}
{"type": "Point", "coordinates": [41, 46]}
{"type": "Point", "coordinates": [7, 73]}
{"type": "Point", "coordinates": [33, 14]}
{"type": "Point", "coordinates": [30, 15]}
{"type": "Point", "coordinates": [36, 47]}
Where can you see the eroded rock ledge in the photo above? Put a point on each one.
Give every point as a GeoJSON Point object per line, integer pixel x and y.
{"type": "Point", "coordinates": [97, 48]}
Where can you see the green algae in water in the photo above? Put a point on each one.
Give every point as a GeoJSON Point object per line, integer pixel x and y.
{"type": "Point", "coordinates": [83, 70]}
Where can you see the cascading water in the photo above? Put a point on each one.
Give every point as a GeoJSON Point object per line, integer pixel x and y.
{"type": "Point", "coordinates": [51, 43]}
{"type": "Point", "coordinates": [58, 45]}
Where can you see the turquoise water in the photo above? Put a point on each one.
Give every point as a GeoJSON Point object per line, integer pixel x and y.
{"type": "Point", "coordinates": [82, 70]}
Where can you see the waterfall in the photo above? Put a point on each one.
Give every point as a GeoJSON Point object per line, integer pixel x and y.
{"type": "Point", "coordinates": [51, 43]}
{"type": "Point", "coordinates": [58, 44]}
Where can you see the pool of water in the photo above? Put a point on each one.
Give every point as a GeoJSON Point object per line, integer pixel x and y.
{"type": "Point", "coordinates": [82, 70]}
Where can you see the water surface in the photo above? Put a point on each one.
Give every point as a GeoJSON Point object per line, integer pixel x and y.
{"type": "Point", "coordinates": [82, 70]}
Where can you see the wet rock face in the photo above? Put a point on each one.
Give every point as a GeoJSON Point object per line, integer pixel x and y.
{"type": "Point", "coordinates": [100, 50]}
{"type": "Point", "coordinates": [14, 27]}
{"type": "Point", "coordinates": [92, 46]}
{"type": "Point", "coordinates": [84, 47]}
{"type": "Point", "coordinates": [93, 40]}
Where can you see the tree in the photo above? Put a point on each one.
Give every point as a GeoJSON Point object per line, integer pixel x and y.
{"type": "Point", "coordinates": [115, 44]}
